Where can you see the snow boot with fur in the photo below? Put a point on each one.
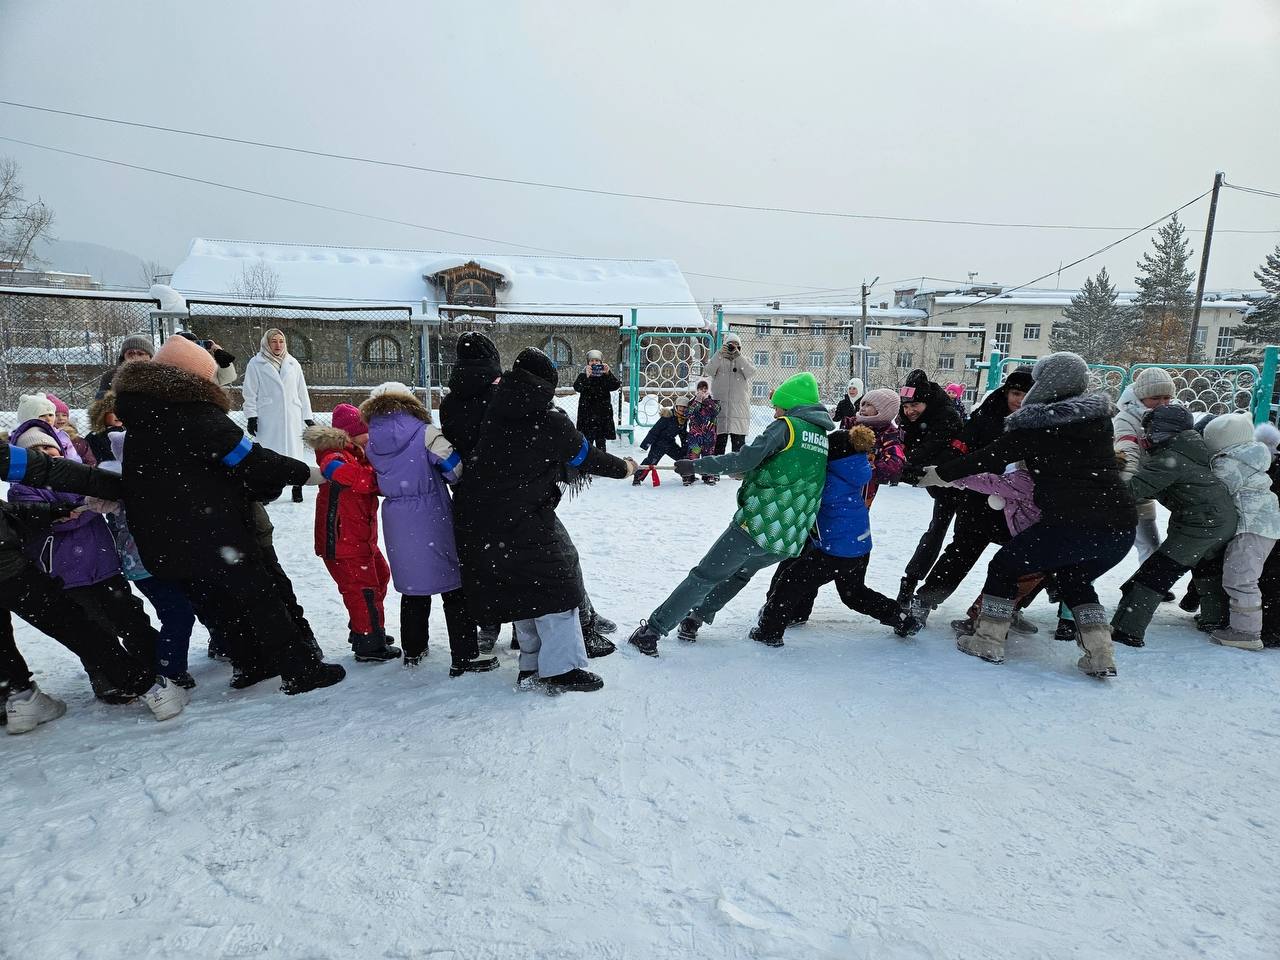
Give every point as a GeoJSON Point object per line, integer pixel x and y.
{"type": "Point", "coordinates": [1093, 636]}
{"type": "Point", "coordinates": [26, 710]}
{"type": "Point", "coordinates": [987, 642]}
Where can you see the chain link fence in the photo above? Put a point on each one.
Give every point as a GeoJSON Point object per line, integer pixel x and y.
{"type": "Point", "coordinates": [62, 343]}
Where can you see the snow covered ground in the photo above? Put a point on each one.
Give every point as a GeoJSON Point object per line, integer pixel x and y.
{"type": "Point", "coordinates": [850, 795]}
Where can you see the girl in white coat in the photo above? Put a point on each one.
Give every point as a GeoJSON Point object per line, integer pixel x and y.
{"type": "Point", "coordinates": [276, 403]}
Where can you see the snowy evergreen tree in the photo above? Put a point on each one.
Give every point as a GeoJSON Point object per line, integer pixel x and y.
{"type": "Point", "coordinates": [1094, 324]}
{"type": "Point", "coordinates": [1165, 302]}
{"type": "Point", "coordinates": [1261, 325]}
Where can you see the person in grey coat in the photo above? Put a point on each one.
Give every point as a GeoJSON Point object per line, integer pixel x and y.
{"type": "Point", "coordinates": [730, 374]}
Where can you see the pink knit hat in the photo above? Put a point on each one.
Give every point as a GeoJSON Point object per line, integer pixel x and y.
{"type": "Point", "coordinates": [346, 417]}
{"type": "Point", "coordinates": [954, 390]}
{"type": "Point", "coordinates": [58, 405]}
{"type": "Point", "coordinates": [182, 353]}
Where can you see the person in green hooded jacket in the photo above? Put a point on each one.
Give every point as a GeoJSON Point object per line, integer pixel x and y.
{"type": "Point", "coordinates": [783, 472]}
{"type": "Point", "coordinates": [1202, 518]}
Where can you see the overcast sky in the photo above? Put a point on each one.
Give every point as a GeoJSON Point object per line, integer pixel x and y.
{"type": "Point", "coordinates": [1091, 112]}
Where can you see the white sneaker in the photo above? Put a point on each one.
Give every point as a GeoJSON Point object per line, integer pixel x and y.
{"type": "Point", "coordinates": [165, 699]}
{"type": "Point", "coordinates": [25, 712]}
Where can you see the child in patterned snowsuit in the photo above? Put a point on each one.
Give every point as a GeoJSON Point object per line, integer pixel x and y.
{"type": "Point", "coordinates": [701, 411]}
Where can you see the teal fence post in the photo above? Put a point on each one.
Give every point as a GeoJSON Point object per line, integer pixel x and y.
{"type": "Point", "coordinates": [719, 329]}
{"type": "Point", "coordinates": [1266, 385]}
{"type": "Point", "coordinates": [633, 378]}
{"type": "Point", "coordinates": [993, 370]}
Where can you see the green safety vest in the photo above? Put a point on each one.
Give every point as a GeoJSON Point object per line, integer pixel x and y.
{"type": "Point", "coordinates": [779, 499]}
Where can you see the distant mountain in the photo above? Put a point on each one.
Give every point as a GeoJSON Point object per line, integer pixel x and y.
{"type": "Point", "coordinates": [113, 267]}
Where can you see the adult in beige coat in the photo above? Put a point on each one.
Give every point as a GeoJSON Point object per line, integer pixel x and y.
{"type": "Point", "coordinates": [730, 374]}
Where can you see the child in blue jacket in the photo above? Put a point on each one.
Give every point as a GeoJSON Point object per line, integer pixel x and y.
{"type": "Point", "coordinates": [839, 548]}
{"type": "Point", "coordinates": [663, 440]}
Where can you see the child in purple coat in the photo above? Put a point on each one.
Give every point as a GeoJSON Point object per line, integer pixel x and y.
{"type": "Point", "coordinates": [80, 551]}
{"type": "Point", "coordinates": [415, 463]}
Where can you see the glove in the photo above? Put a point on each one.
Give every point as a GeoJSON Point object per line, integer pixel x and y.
{"type": "Point", "coordinates": [316, 477]}
{"type": "Point", "coordinates": [930, 478]}
{"type": "Point", "coordinates": [222, 358]}
{"type": "Point", "coordinates": [309, 423]}
{"type": "Point", "coordinates": [685, 468]}
{"type": "Point", "coordinates": [253, 426]}
{"type": "Point", "coordinates": [632, 467]}
{"type": "Point", "coordinates": [101, 506]}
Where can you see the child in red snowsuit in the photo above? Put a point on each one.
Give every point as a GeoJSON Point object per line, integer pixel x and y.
{"type": "Point", "coordinates": [347, 530]}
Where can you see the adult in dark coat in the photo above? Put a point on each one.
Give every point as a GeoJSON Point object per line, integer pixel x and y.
{"type": "Point", "coordinates": [190, 478]}
{"type": "Point", "coordinates": [594, 385]}
{"type": "Point", "coordinates": [518, 562]}
{"type": "Point", "coordinates": [137, 347]}
{"type": "Point", "coordinates": [1087, 514]}
{"type": "Point", "coordinates": [977, 525]}
{"type": "Point", "coordinates": [931, 434]}
{"type": "Point", "coordinates": [471, 386]}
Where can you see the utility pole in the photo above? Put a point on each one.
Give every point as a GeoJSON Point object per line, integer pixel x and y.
{"type": "Point", "coordinates": [866, 290]}
{"type": "Point", "coordinates": [1218, 179]}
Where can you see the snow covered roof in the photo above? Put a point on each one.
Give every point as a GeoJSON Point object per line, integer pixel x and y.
{"type": "Point", "coordinates": [335, 275]}
{"type": "Point", "coordinates": [766, 311]}
{"type": "Point", "coordinates": [1062, 298]}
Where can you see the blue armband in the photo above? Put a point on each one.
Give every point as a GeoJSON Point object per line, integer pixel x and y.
{"type": "Point", "coordinates": [331, 468]}
{"type": "Point", "coordinates": [17, 464]}
{"type": "Point", "coordinates": [581, 456]}
{"type": "Point", "coordinates": [239, 452]}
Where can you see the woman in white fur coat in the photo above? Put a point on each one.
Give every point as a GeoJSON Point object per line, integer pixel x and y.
{"type": "Point", "coordinates": [276, 403]}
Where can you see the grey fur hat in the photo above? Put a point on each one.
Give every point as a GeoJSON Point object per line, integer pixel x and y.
{"type": "Point", "coordinates": [1058, 376]}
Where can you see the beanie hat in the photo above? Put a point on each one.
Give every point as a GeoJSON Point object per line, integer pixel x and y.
{"type": "Point", "coordinates": [1057, 377]}
{"type": "Point", "coordinates": [185, 355]}
{"type": "Point", "coordinates": [887, 404]}
{"type": "Point", "coordinates": [475, 346]}
{"type": "Point", "coordinates": [58, 405]}
{"type": "Point", "coordinates": [1267, 435]}
{"type": "Point", "coordinates": [733, 338]}
{"type": "Point", "coordinates": [1165, 423]}
{"type": "Point", "coordinates": [796, 391]}
{"type": "Point", "coordinates": [33, 406]}
{"type": "Point", "coordinates": [857, 387]}
{"type": "Point", "coordinates": [137, 342]}
{"type": "Point", "coordinates": [538, 365]}
{"type": "Point", "coordinates": [594, 355]}
{"type": "Point", "coordinates": [1020, 379]}
{"type": "Point", "coordinates": [1153, 382]}
{"type": "Point", "coordinates": [916, 388]}
{"type": "Point", "coordinates": [347, 418]}
{"type": "Point", "coordinates": [34, 436]}
{"type": "Point", "coordinates": [954, 390]}
{"type": "Point", "coordinates": [391, 387]}
{"type": "Point", "coordinates": [1229, 430]}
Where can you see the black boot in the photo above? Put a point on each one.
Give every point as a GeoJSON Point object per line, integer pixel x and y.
{"type": "Point", "coordinates": [488, 636]}
{"type": "Point", "coordinates": [1066, 631]}
{"type": "Point", "coordinates": [597, 644]}
{"type": "Point", "coordinates": [1190, 601]}
{"type": "Point", "coordinates": [242, 678]}
{"type": "Point", "coordinates": [314, 677]}
{"type": "Point", "coordinates": [688, 629]}
{"type": "Point", "coordinates": [479, 665]}
{"type": "Point", "coordinates": [602, 624]}
{"type": "Point", "coordinates": [645, 639]}
{"type": "Point", "coordinates": [906, 590]}
{"type": "Point", "coordinates": [373, 647]}
{"type": "Point", "coordinates": [577, 680]}
{"type": "Point", "coordinates": [1119, 636]}
{"type": "Point", "coordinates": [768, 639]}
{"type": "Point", "coordinates": [908, 626]}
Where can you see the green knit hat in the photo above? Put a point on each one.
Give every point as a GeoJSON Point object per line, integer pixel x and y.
{"type": "Point", "coordinates": [796, 391]}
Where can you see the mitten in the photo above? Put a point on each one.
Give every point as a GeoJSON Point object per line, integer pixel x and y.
{"type": "Point", "coordinates": [685, 468]}
{"type": "Point", "coordinates": [253, 426]}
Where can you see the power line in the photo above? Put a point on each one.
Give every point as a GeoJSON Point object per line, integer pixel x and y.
{"type": "Point", "coordinates": [1254, 190]}
{"type": "Point", "coordinates": [656, 198]}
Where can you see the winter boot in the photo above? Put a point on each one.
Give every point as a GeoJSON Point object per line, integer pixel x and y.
{"type": "Point", "coordinates": [1020, 624]}
{"type": "Point", "coordinates": [987, 642]}
{"type": "Point", "coordinates": [645, 639]}
{"type": "Point", "coordinates": [166, 699]}
{"type": "Point", "coordinates": [1066, 630]}
{"type": "Point", "coordinates": [919, 609]}
{"type": "Point", "coordinates": [488, 637]}
{"type": "Point", "coordinates": [593, 619]}
{"type": "Point", "coordinates": [1209, 625]}
{"type": "Point", "coordinates": [373, 647]}
{"type": "Point", "coordinates": [185, 680]}
{"type": "Point", "coordinates": [1138, 602]}
{"type": "Point", "coordinates": [768, 639]}
{"type": "Point", "coordinates": [314, 677]}
{"type": "Point", "coordinates": [26, 710]}
{"type": "Point", "coordinates": [1190, 601]}
{"type": "Point", "coordinates": [242, 678]}
{"type": "Point", "coordinates": [1094, 638]}
{"type": "Point", "coordinates": [526, 680]}
{"type": "Point", "coordinates": [1119, 636]}
{"type": "Point", "coordinates": [907, 626]}
{"type": "Point", "coordinates": [690, 480]}
{"type": "Point", "coordinates": [688, 629]}
{"type": "Point", "coordinates": [1230, 637]}
{"type": "Point", "coordinates": [711, 479]}
{"type": "Point", "coordinates": [906, 590]}
{"type": "Point", "coordinates": [597, 644]}
{"type": "Point", "coordinates": [479, 665]}
{"type": "Point", "coordinates": [107, 692]}
{"type": "Point", "coordinates": [575, 681]}
{"type": "Point", "coordinates": [965, 627]}
{"type": "Point", "coordinates": [297, 494]}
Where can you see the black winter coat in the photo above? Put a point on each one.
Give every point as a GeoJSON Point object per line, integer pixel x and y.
{"type": "Point", "coordinates": [986, 424]}
{"type": "Point", "coordinates": [471, 387]}
{"type": "Point", "coordinates": [595, 413]}
{"type": "Point", "coordinates": [846, 409]}
{"type": "Point", "coordinates": [664, 439]}
{"type": "Point", "coordinates": [517, 559]}
{"type": "Point", "coordinates": [933, 438]}
{"type": "Point", "coordinates": [1068, 446]}
{"type": "Point", "coordinates": [190, 473]}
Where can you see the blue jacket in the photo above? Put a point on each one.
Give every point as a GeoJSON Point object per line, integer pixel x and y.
{"type": "Point", "coordinates": [664, 440]}
{"type": "Point", "coordinates": [843, 527]}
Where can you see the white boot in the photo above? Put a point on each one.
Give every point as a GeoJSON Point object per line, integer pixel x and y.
{"type": "Point", "coordinates": [165, 699]}
{"type": "Point", "coordinates": [26, 711]}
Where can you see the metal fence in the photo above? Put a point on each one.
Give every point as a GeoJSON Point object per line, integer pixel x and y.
{"type": "Point", "coordinates": [61, 343]}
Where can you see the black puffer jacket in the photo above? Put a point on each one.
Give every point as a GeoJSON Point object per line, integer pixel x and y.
{"type": "Point", "coordinates": [936, 436]}
{"type": "Point", "coordinates": [595, 412]}
{"type": "Point", "coordinates": [517, 559]}
{"type": "Point", "coordinates": [471, 386]}
{"type": "Point", "coordinates": [1068, 447]}
{"type": "Point", "coordinates": [190, 473]}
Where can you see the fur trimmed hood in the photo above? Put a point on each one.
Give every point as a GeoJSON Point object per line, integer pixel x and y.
{"type": "Point", "coordinates": [385, 404]}
{"type": "Point", "coordinates": [322, 439]}
{"type": "Point", "coordinates": [1058, 413]}
{"type": "Point", "coordinates": [169, 384]}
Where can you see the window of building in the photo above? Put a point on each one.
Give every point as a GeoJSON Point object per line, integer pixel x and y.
{"type": "Point", "coordinates": [971, 361]}
{"type": "Point", "coordinates": [299, 346]}
{"type": "Point", "coordinates": [971, 395]}
{"type": "Point", "coordinates": [904, 359]}
{"type": "Point", "coordinates": [788, 359]}
{"type": "Point", "coordinates": [1202, 336]}
{"type": "Point", "coordinates": [975, 333]}
{"type": "Point", "coordinates": [946, 361]}
{"type": "Point", "coordinates": [762, 326]}
{"type": "Point", "coordinates": [558, 349]}
{"type": "Point", "coordinates": [791, 326]}
{"type": "Point", "coordinates": [873, 332]}
{"type": "Point", "coordinates": [1031, 331]}
{"type": "Point", "coordinates": [948, 336]}
{"type": "Point", "coordinates": [760, 358]}
{"type": "Point", "coordinates": [472, 293]}
{"type": "Point", "coordinates": [873, 360]}
{"type": "Point", "coordinates": [818, 326]}
{"type": "Point", "coordinates": [1226, 345]}
{"type": "Point", "coordinates": [817, 359]}
{"type": "Point", "coordinates": [1003, 340]}
{"type": "Point", "coordinates": [759, 391]}
{"type": "Point", "coordinates": [382, 349]}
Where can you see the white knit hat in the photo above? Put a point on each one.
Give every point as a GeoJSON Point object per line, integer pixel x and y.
{"type": "Point", "coordinates": [1153, 382]}
{"type": "Point", "coordinates": [35, 437]}
{"type": "Point", "coordinates": [33, 405]}
{"type": "Point", "coordinates": [594, 355]}
{"type": "Point", "coordinates": [1229, 430]}
{"type": "Point", "coordinates": [857, 387]}
{"type": "Point", "coordinates": [394, 388]}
